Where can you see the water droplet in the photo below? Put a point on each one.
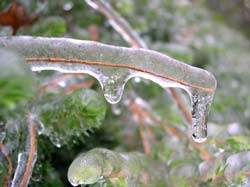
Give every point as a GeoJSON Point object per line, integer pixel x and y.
{"type": "Point", "coordinates": [2, 131]}
{"type": "Point", "coordinates": [137, 79]}
{"type": "Point", "coordinates": [113, 87]}
{"type": "Point", "coordinates": [116, 109]}
{"type": "Point", "coordinates": [39, 126]}
{"type": "Point", "coordinates": [56, 140]}
{"type": "Point", "coordinates": [201, 102]}
{"type": "Point", "coordinates": [68, 6]}
{"type": "Point", "coordinates": [62, 84]}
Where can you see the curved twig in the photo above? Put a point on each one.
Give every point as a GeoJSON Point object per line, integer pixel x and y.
{"type": "Point", "coordinates": [118, 23]}
{"type": "Point", "coordinates": [32, 152]}
{"type": "Point", "coordinates": [10, 165]}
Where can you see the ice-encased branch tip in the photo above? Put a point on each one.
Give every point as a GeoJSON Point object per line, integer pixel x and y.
{"type": "Point", "coordinates": [113, 66]}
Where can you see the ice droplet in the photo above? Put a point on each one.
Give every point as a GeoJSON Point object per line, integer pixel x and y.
{"type": "Point", "coordinates": [113, 87]}
{"type": "Point", "coordinates": [39, 126]}
{"type": "Point", "coordinates": [2, 131]}
{"type": "Point", "coordinates": [137, 79]}
{"type": "Point", "coordinates": [201, 102]}
{"type": "Point", "coordinates": [116, 109]}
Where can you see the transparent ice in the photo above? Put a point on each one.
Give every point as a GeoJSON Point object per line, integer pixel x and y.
{"type": "Point", "coordinates": [21, 168]}
{"type": "Point", "coordinates": [113, 66]}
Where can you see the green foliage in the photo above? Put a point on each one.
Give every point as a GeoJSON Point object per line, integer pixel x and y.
{"type": "Point", "coordinates": [15, 80]}
{"type": "Point", "coordinates": [45, 176]}
{"type": "Point", "coordinates": [237, 143]}
{"type": "Point", "coordinates": [64, 117]}
{"type": "Point", "coordinates": [51, 26]}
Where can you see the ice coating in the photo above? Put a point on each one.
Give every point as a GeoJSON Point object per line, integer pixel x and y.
{"type": "Point", "coordinates": [20, 169]}
{"type": "Point", "coordinates": [113, 66]}
{"type": "Point", "coordinates": [99, 163]}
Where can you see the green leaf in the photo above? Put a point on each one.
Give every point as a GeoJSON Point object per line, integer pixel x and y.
{"type": "Point", "coordinates": [237, 143]}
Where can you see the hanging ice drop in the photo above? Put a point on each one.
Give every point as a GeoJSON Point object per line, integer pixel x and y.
{"type": "Point", "coordinates": [113, 87]}
{"type": "Point", "coordinates": [201, 102]}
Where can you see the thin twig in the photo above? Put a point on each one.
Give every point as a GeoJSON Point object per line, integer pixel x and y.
{"type": "Point", "coordinates": [79, 86]}
{"type": "Point", "coordinates": [143, 118]}
{"type": "Point", "coordinates": [151, 134]}
{"type": "Point", "coordinates": [118, 23]}
{"type": "Point", "coordinates": [54, 82]}
{"type": "Point", "coordinates": [10, 165]}
{"type": "Point", "coordinates": [138, 116]}
{"type": "Point", "coordinates": [32, 152]}
{"type": "Point", "coordinates": [175, 132]}
{"type": "Point", "coordinates": [181, 105]}
{"type": "Point", "coordinates": [145, 143]}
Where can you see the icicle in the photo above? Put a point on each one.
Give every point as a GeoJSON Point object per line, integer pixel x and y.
{"type": "Point", "coordinates": [201, 102]}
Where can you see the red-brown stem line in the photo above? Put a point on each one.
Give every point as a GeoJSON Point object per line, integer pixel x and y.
{"type": "Point", "coordinates": [144, 116]}
{"type": "Point", "coordinates": [139, 118]}
{"type": "Point", "coordinates": [32, 152]}
{"type": "Point", "coordinates": [54, 82]}
{"type": "Point", "coordinates": [79, 86]}
{"type": "Point", "coordinates": [10, 165]}
{"type": "Point", "coordinates": [106, 64]}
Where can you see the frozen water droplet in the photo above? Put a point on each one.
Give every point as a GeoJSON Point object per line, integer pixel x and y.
{"type": "Point", "coordinates": [113, 87]}
{"type": "Point", "coordinates": [62, 84]}
{"type": "Point", "coordinates": [201, 102]}
{"type": "Point", "coordinates": [137, 79]}
{"type": "Point", "coordinates": [56, 141]}
{"type": "Point", "coordinates": [68, 6]}
{"type": "Point", "coordinates": [39, 126]}
{"type": "Point", "coordinates": [116, 109]}
{"type": "Point", "coordinates": [2, 131]}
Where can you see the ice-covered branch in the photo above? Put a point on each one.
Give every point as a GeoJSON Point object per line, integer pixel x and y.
{"type": "Point", "coordinates": [26, 159]}
{"type": "Point", "coordinates": [113, 66]}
